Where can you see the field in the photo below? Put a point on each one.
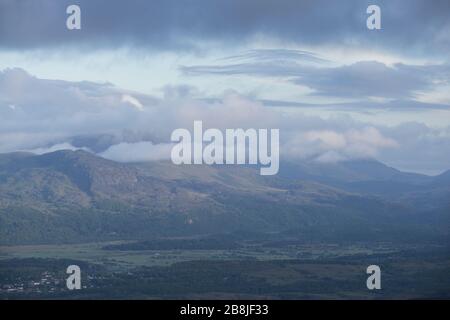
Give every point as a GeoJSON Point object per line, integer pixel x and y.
{"type": "Point", "coordinates": [117, 259]}
{"type": "Point", "coordinates": [250, 269]}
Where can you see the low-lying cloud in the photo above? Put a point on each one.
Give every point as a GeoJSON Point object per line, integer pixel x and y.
{"type": "Point", "coordinates": [138, 152]}
{"type": "Point", "coordinates": [50, 115]}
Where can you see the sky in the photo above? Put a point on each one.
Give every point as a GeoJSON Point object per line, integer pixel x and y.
{"type": "Point", "coordinates": [139, 69]}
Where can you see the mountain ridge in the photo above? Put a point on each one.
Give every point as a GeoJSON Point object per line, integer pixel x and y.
{"type": "Point", "coordinates": [73, 196]}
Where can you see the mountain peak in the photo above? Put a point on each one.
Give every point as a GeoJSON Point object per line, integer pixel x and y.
{"type": "Point", "coordinates": [443, 179]}
{"type": "Point", "coordinates": [71, 155]}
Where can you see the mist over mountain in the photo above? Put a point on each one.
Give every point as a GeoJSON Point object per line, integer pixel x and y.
{"type": "Point", "coordinates": [75, 196]}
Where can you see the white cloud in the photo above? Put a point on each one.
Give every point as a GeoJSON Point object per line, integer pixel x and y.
{"type": "Point", "coordinates": [132, 101]}
{"type": "Point", "coordinates": [56, 147]}
{"type": "Point", "coordinates": [51, 113]}
{"type": "Point", "coordinates": [330, 157]}
{"type": "Point", "coordinates": [331, 139]}
{"type": "Point", "coordinates": [339, 144]}
{"type": "Point", "coordinates": [138, 152]}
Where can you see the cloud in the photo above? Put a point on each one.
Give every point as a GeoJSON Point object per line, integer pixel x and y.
{"type": "Point", "coordinates": [329, 138]}
{"type": "Point", "coordinates": [174, 92]}
{"type": "Point", "coordinates": [138, 152]}
{"type": "Point", "coordinates": [132, 101]}
{"type": "Point", "coordinates": [419, 25]}
{"type": "Point", "coordinates": [360, 80]}
{"type": "Point", "coordinates": [374, 79]}
{"type": "Point", "coordinates": [260, 62]}
{"type": "Point", "coordinates": [56, 147]}
{"type": "Point", "coordinates": [52, 115]}
{"type": "Point", "coordinates": [48, 111]}
{"type": "Point", "coordinates": [336, 145]}
{"type": "Point", "coordinates": [277, 54]}
{"type": "Point", "coordinates": [422, 148]}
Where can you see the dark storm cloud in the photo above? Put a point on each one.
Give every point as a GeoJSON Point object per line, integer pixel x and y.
{"type": "Point", "coordinates": [417, 26]}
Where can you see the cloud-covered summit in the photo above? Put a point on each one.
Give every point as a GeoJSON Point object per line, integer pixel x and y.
{"type": "Point", "coordinates": [41, 115]}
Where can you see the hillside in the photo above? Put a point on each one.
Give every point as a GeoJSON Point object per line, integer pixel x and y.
{"type": "Point", "coordinates": [69, 196]}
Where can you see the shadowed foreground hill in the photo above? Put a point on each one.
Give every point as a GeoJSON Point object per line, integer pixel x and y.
{"type": "Point", "coordinates": [69, 196]}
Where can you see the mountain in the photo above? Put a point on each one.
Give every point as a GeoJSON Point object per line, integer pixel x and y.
{"type": "Point", "coordinates": [442, 180]}
{"type": "Point", "coordinates": [362, 176]}
{"type": "Point", "coordinates": [69, 196]}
